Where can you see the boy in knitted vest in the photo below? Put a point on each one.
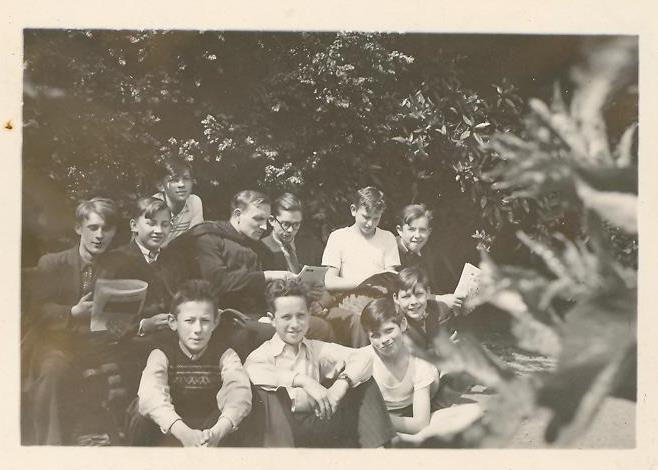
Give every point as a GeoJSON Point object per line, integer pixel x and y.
{"type": "Point", "coordinates": [193, 389]}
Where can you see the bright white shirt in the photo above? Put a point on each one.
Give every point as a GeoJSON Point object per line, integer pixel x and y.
{"type": "Point", "coordinates": [399, 394]}
{"type": "Point", "coordinates": [357, 257]}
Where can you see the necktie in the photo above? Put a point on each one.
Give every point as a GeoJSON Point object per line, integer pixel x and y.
{"type": "Point", "coordinates": [153, 254]}
{"type": "Point", "coordinates": [87, 279]}
{"type": "Point", "coordinates": [291, 258]}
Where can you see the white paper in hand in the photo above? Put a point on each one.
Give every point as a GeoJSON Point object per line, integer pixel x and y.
{"type": "Point", "coordinates": [312, 275]}
{"type": "Point", "coordinates": [116, 298]}
{"type": "Point", "coordinates": [469, 284]}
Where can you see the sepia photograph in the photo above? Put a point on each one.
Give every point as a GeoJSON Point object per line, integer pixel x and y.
{"type": "Point", "coordinates": [328, 239]}
{"type": "Point", "coordinates": [416, 240]}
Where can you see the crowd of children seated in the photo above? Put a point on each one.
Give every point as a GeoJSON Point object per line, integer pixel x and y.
{"type": "Point", "coordinates": [230, 346]}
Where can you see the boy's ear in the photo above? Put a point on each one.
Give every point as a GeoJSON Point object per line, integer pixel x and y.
{"type": "Point", "coordinates": [404, 324]}
{"type": "Point", "coordinates": [237, 212]}
{"type": "Point", "coordinates": [172, 322]}
{"type": "Point", "coordinates": [78, 228]}
{"type": "Point", "coordinates": [133, 225]}
{"type": "Point", "coordinates": [398, 229]}
{"type": "Point", "coordinates": [353, 210]}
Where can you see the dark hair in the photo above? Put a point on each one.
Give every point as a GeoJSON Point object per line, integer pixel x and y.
{"type": "Point", "coordinates": [148, 207]}
{"type": "Point", "coordinates": [370, 198]}
{"type": "Point", "coordinates": [246, 197]}
{"type": "Point", "coordinates": [100, 205]}
{"type": "Point", "coordinates": [412, 212]}
{"type": "Point", "coordinates": [173, 168]}
{"type": "Point", "coordinates": [195, 290]}
{"type": "Point", "coordinates": [379, 311]}
{"type": "Point", "coordinates": [412, 276]}
{"type": "Point", "coordinates": [280, 288]}
{"type": "Point", "coordinates": [286, 202]}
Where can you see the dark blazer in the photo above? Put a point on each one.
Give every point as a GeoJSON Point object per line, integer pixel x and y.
{"type": "Point", "coordinates": [163, 276]}
{"type": "Point", "coordinates": [309, 252]}
{"type": "Point", "coordinates": [56, 288]}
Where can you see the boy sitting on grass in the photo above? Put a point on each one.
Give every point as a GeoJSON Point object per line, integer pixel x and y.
{"type": "Point", "coordinates": [407, 383]}
{"type": "Point", "coordinates": [193, 392]}
{"type": "Point", "coordinates": [320, 394]}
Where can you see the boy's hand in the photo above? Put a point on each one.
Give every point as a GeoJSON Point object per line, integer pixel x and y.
{"type": "Point", "coordinates": [83, 307]}
{"type": "Point", "coordinates": [319, 398]}
{"type": "Point", "coordinates": [156, 322]}
{"type": "Point", "coordinates": [451, 301]}
{"type": "Point", "coordinates": [187, 436]}
{"type": "Point", "coordinates": [336, 393]}
{"type": "Point", "coordinates": [218, 432]}
{"type": "Point", "coordinates": [278, 275]}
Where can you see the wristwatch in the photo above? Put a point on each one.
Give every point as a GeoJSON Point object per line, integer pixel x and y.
{"type": "Point", "coordinates": [346, 378]}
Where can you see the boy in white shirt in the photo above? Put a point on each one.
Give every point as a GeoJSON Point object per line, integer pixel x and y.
{"type": "Point", "coordinates": [355, 253]}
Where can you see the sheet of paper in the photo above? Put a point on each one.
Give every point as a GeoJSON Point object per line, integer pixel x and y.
{"type": "Point", "coordinates": [115, 299]}
{"type": "Point", "coordinates": [312, 275]}
{"type": "Point", "coordinates": [468, 285]}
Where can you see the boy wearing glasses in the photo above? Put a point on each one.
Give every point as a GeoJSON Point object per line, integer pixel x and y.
{"type": "Point", "coordinates": [288, 251]}
{"type": "Point", "coordinates": [175, 188]}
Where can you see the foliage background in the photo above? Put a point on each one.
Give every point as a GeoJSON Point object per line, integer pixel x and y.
{"type": "Point", "coordinates": [317, 113]}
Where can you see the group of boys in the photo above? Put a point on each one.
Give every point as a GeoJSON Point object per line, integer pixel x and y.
{"type": "Point", "coordinates": [297, 387]}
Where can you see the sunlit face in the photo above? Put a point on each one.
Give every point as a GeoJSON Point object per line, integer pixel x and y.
{"type": "Point", "coordinates": [387, 339]}
{"type": "Point", "coordinates": [95, 234]}
{"type": "Point", "coordinates": [366, 220]}
{"type": "Point", "coordinates": [252, 220]}
{"type": "Point", "coordinates": [151, 233]}
{"type": "Point", "coordinates": [285, 225]}
{"type": "Point", "coordinates": [415, 234]}
{"type": "Point", "coordinates": [194, 322]}
{"type": "Point", "coordinates": [413, 302]}
{"type": "Point", "coordinates": [291, 319]}
{"type": "Point", "coordinates": [178, 188]}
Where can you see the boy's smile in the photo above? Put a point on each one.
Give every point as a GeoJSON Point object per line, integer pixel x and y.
{"type": "Point", "coordinates": [387, 340]}
{"type": "Point", "coordinates": [415, 234]}
{"type": "Point", "coordinates": [413, 303]}
{"type": "Point", "coordinates": [291, 319]}
{"type": "Point", "coordinates": [95, 234]}
{"type": "Point", "coordinates": [151, 233]}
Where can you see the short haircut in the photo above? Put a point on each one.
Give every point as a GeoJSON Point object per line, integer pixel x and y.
{"type": "Point", "coordinates": [244, 198]}
{"type": "Point", "coordinates": [288, 288]}
{"type": "Point", "coordinates": [412, 212]}
{"type": "Point", "coordinates": [173, 168]}
{"type": "Point", "coordinates": [411, 277]}
{"type": "Point", "coordinates": [370, 198]}
{"type": "Point", "coordinates": [100, 205]}
{"type": "Point", "coordinates": [286, 202]}
{"type": "Point", "coordinates": [195, 290]}
{"type": "Point", "coordinates": [379, 311]}
{"type": "Point", "coordinates": [148, 207]}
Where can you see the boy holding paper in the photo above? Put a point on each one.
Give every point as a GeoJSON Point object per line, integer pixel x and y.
{"type": "Point", "coordinates": [64, 286]}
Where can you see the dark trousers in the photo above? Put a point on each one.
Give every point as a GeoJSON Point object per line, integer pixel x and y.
{"type": "Point", "coordinates": [360, 421]}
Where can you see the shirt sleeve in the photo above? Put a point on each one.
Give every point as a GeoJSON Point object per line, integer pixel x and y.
{"type": "Point", "coordinates": [153, 394]}
{"type": "Point", "coordinates": [331, 256]}
{"type": "Point", "coordinates": [392, 253]}
{"type": "Point", "coordinates": [358, 362]}
{"type": "Point", "coordinates": [424, 374]}
{"type": "Point", "coordinates": [264, 373]}
{"type": "Point", "coordinates": [234, 398]}
{"type": "Point", "coordinates": [196, 207]}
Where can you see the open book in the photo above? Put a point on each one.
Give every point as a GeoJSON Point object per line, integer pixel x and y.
{"type": "Point", "coordinates": [116, 299]}
{"type": "Point", "coordinates": [312, 275]}
{"type": "Point", "coordinates": [468, 286]}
